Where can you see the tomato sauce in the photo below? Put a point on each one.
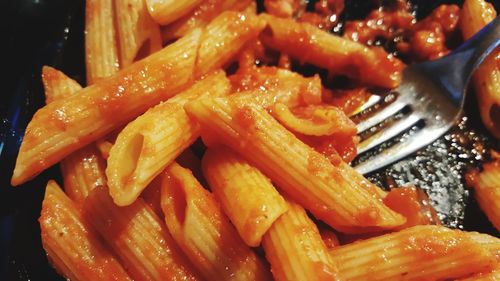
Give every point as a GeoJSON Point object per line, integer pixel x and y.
{"type": "Point", "coordinates": [413, 204]}
{"type": "Point", "coordinates": [416, 40]}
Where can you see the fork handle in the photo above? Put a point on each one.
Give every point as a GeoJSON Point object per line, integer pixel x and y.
{"type": "Point", "coordinates": [464, 60]}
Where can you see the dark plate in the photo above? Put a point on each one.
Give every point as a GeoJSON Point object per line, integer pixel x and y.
{"type": "Point", "coordinates": [50, 32]}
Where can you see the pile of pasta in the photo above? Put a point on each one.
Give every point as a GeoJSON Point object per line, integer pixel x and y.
{"type": "Point", "coordinates": [273, 195]}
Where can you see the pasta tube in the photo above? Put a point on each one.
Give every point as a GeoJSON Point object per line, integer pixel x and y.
{"type": "Point", "coordinates": [484, 276]}
{"type": "Point", "coordinates": [218, 44]}
{"type": "Point", "coordinates": [315, 120]}
{"type": "Point", "coordinates": [304, 174]}
{"type": "Point", "coordinates": [201, 16]}
{"type": "Point", "coordinates": [247, 196]}
{"type": "Point", "coordinates": [82, 170]}
{"type": "Point", "coordinates": [139, 35]}
{"type": "Point", "coordinates": [66, 125]}
{"type": "Point", "coordinates": [308, 43]}
{"type": "Point", "coordinates": [101, 47]}
{"type": "Point", "coordinates": [199, 227]}
{"type": "Point", "coordinates": [57, 85]}
{"type": "Point", "coordinates": [416, 253]}
{"type": "Point", "coordinates": [104, 147]}
{"type": "Point", "coordinates": [72, 245]}
{"type": "Point", "coordinates": [167, 11]}
{"type": "Point", "coordinates": [269, 85]}
{"type": "Point", "coordinates": [475, 14]}
{"type": "Point", "coordinates": [138, 237]}
{"type": "Point", "coordinates": [295, 249]}
{"type": "Point", "coordinates": [152, 141]}
{"type": "Point", "coordinates": [486, 186]}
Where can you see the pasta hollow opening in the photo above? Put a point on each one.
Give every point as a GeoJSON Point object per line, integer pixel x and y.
{"type": "Point", "coordinates": [179, 202]}
{"type": "Point", "coordinates": [131, 157]}
{"type": "Point", "coordinates": [495, 116]}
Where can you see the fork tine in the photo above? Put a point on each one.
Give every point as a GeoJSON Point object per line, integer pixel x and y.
{"type": "Point", "coordinates": [388, 133]}
{"type": "Point", "coordinates": [399, 151]}
{"type": "Point", "coordinates": [372, 100]}
{"type": "Point", "coordinates": [380, 116]}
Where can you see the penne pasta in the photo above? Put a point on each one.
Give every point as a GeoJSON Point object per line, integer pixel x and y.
{"type": "Point", "coordinates": [250, 99]}
{"type": "Point", "coordinates": [57, 85]}
{"type": "Point", "coordinates": [486, 184]}
{"type": "Point", "coordinates": [72, 245]}
{"type": "Point", "coordinates": [152, 141]}
{"type": "Point", "coordinates": [167, 11]}
{"type": "Point", "coordinates": [138, 237]}
{"type": "Point", "coordinates": [338, 55]}
{"type": "Point", "coordinates": [304, 174]}
{"type": "Point", "coordinates": [315, 120]}
{"type": "Point", "coordinates": [487, 241]}
{"type": "Point", "coordinates": [83, 170]}
{"type": "Point", "coordinates": [152, 193]}
{"type": "Point", "coordinates": [139, 35]}
{"type": "Point", "coordinates": [104, 147]}
{"type": "Point", "coordinates": [416, 253]}
{"type": "Point", "coordinates": [66, 125]}
{"type": "Point", "coordinates": [101, 47]}
{"type": "Point", "coordinates": [484, 276]}
{"type": "Point", "coordinates": [476, 14]}
{"type": "Point", "coordinates": [269, 85]}
{"type": "Point", "coordinates": [218, 44]}
{"type": "Point", "coordinates": [201, 16]}
{"type": "Point", "coordinates": [247, 196]}
{"type": "Point", "coordinates": [295, 249]}
{"type": "Point", "coordinates": [198, 225]}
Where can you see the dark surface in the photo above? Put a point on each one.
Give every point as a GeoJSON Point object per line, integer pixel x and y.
{"type": "Point", "coordinates": [38, 32]}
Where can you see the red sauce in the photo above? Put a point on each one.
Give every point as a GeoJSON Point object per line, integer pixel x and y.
{"type": "Point", "coordinates": [59, 119]}
{"type": "Point", "coordinates": [329, 237]}
{"type": "Point", "coordinates": [438, 244]}
{"type": "Point", "coordinates": [326, 14]}
{"type": "Point", "coordinates": [384, 22]}
{"type": "Point", "coordinates": [262, 78]}
{"type": "Point", "coordinates": [413, 204]}
{"type": "Point", "coordinates": [378, 66]}
{"type": "Point", "coordinates": [245, 118]}
{"type": "Point", "coordinates": [423, 40]}
{"type": "Point", "coordinates": [283, 8]}
{"type": "Point", "coordinates": [430, 35]}
{"type": "Point", "coordinates": [335, 148]}
{"type": "Point", "coordinates": [471, 177]}
{"type": "Point", "coordinates": [255, 218]}
{"type": "Point", "coordinates": [112, 100]}
{"type": "Point", "coordinates": [368, 216]}
{"type": "Point", "coordinates": [347, 100]}
{"type": "Point", "coordinates": [317, 164]}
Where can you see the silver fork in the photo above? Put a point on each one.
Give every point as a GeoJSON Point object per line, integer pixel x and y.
{"type": "Point", "coordinates": [433, 94]}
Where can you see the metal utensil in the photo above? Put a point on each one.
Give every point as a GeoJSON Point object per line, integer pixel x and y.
{"type": "Point", "coordinates": [432, 94]}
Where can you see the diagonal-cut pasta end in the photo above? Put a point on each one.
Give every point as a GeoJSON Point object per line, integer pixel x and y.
{"type": "Point", "coordinates": [122, 175]}
{"type": "Point", "coordinates": [333, 194]}
{"type": "Point", "coordinates": [174, 197]}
